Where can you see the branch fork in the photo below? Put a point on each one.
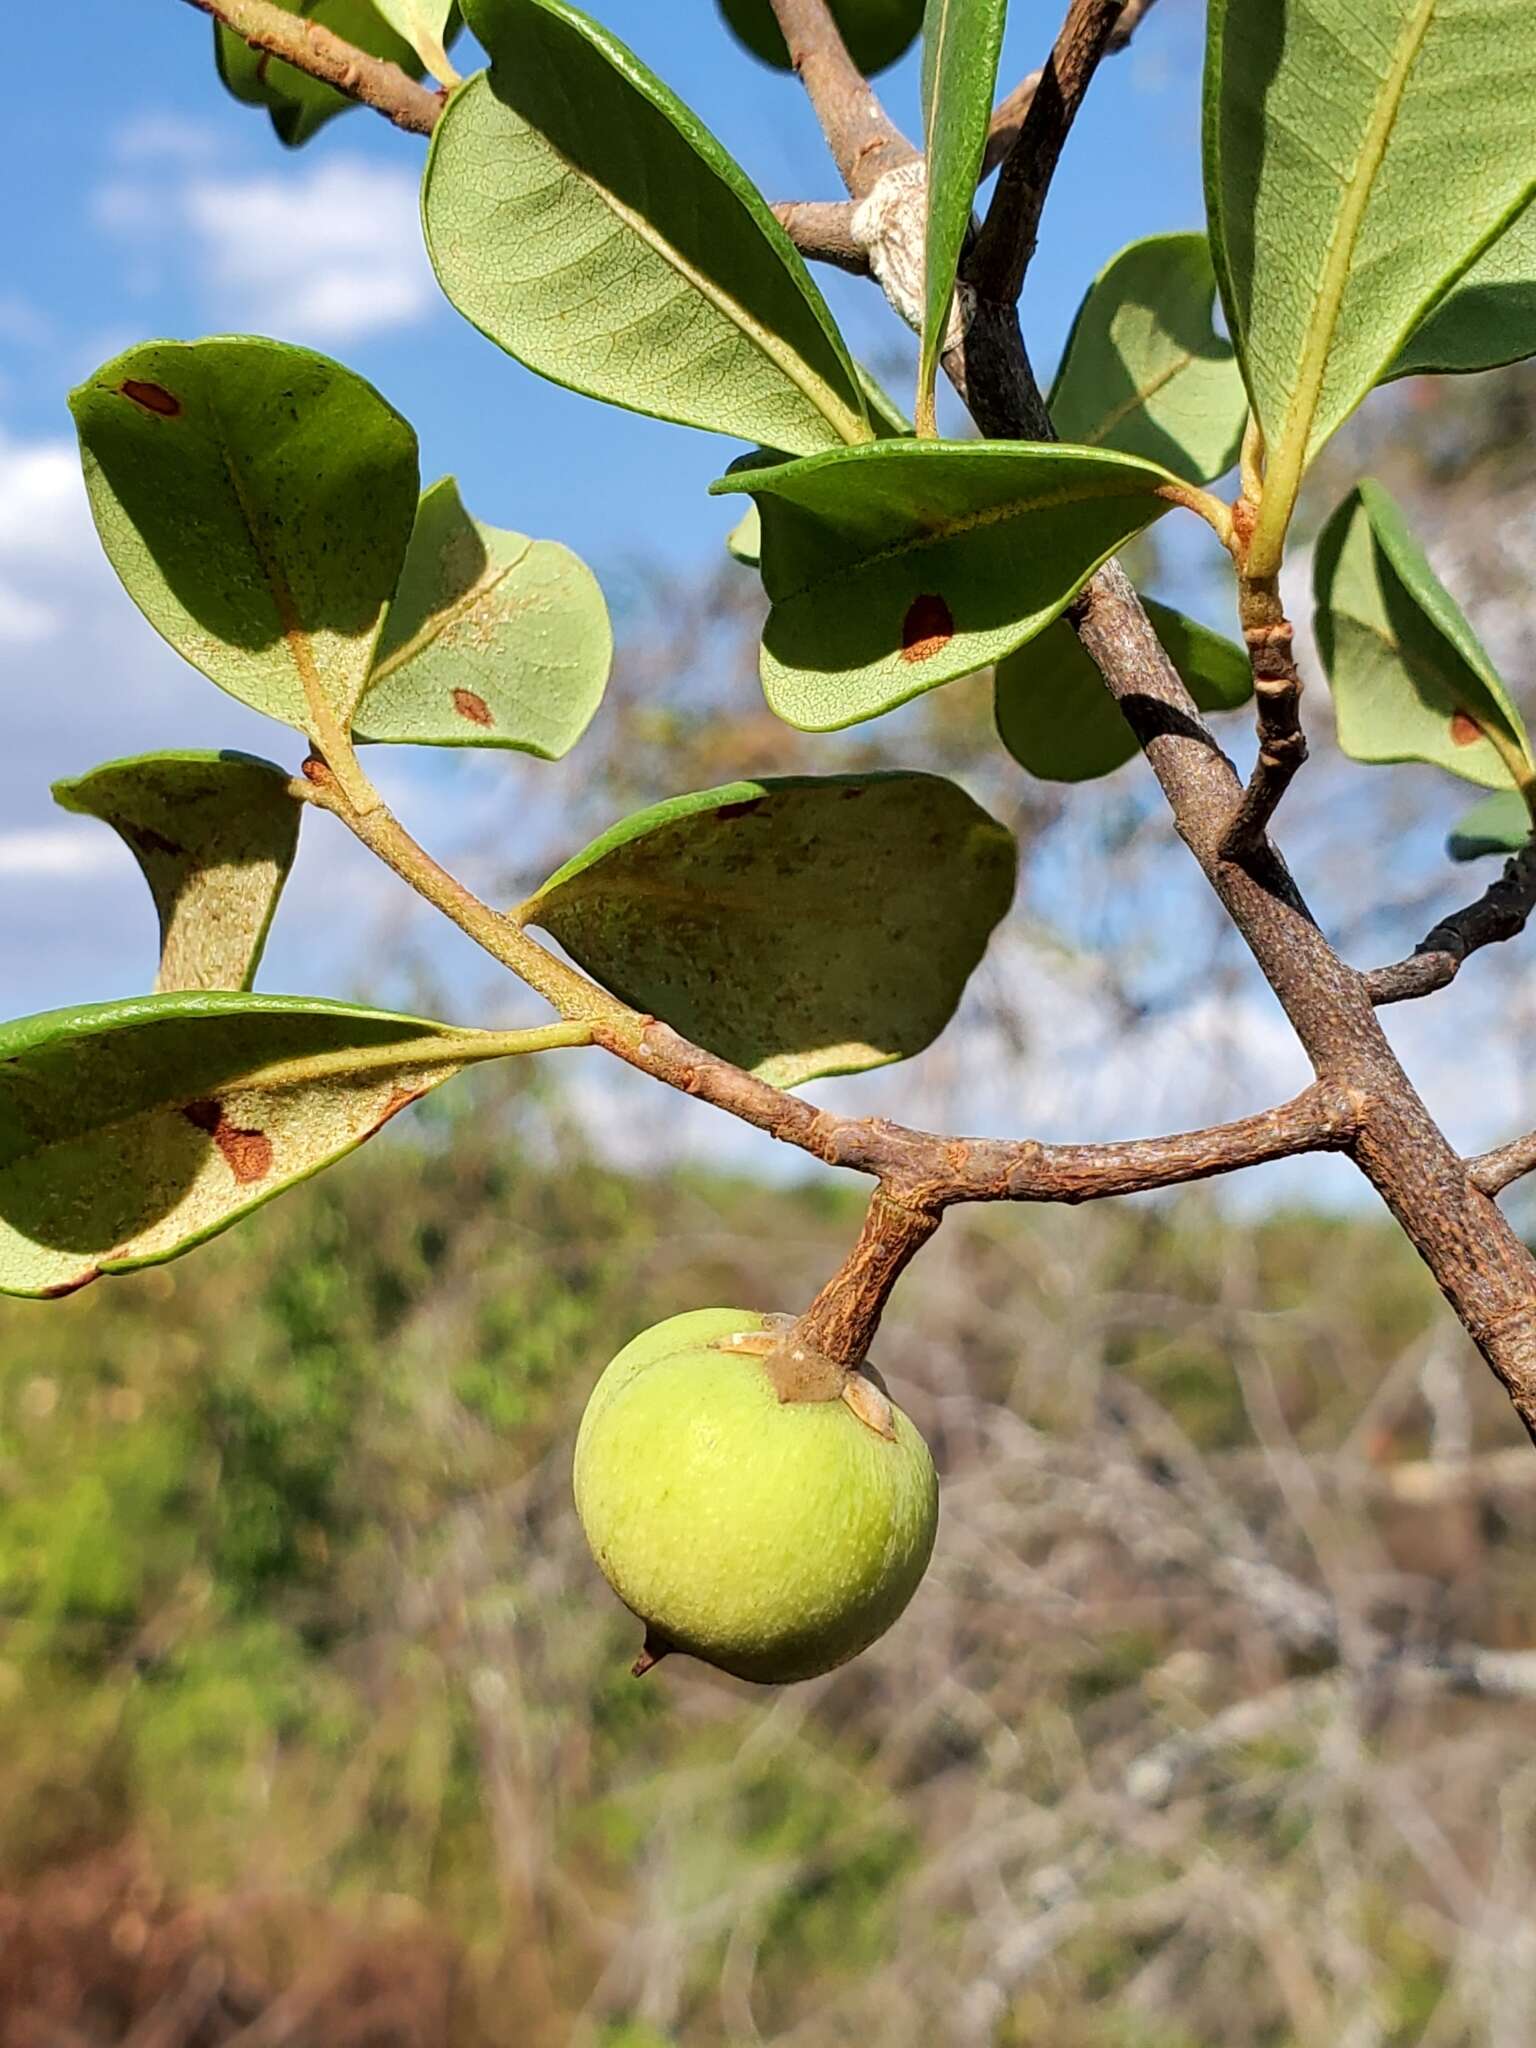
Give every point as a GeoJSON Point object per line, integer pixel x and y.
{"type": "Point", "coordinates": [1362, 1103]}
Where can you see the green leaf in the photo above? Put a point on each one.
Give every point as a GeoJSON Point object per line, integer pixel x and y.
{"type": "Point", "coordinates": [1357, 159]}
{"type": "Point", "coordinates": [745, 539]}
{"type": "Point", "coordinates": [890, 423]}
{"type": "Point", "coordinates": [962, 40]}
{"type": "Point", "coordinates": [256, 501]}
{"type": "Point", "coordinates": [215, 836]}
{"type": "Point", "coordinates": [799, 926]}
{"type": "Point", "coordinates": [877, 32]}
{"type": "Point", "coordinates": [1410, 680]}
{"type": "Point", "coordinates": [427, 25]}
{"type": "Point", "coordinates": [1057, 719]}
{"type": "Point", "coordinates": [886, 417]}
{"type": "Point", "coordinates": [1499, 824]}
{"type": "Point", "coordinates": [1144, 370]}
{"type": "Point", "coordinates": [900, 566]}
{"type": "Point", "coordinates": [300, 105]}
{"type": "Point", "coordinates": [493, 640]}
{"type": "Point", "coordinates": [131, 1131]}
{"type": "Point", "coordinates": [585, 220]}
{"type": "Point", "coordinates": [1488, 318]}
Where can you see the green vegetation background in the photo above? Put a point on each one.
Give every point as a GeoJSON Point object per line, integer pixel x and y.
{"type": "Point", "coordinates": [301, 1654]}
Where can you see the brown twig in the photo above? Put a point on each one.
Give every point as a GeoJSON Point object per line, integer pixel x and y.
{"type": "Point", "coordinates": [1008, 114]}
{"type": "Point", "coordinates": [1500, 913]}
{"type": "Point", "coordinates": [920, 1170]}
{"type": "Point", "coordinates": [1363, 1101]}
{"type": "Point", "coordinates": [996, 267]}
{"type": "Point", "coordinates": [841, 1322]}
{"type": "Point", "coordinates": [1494, 1171]}
{"type": "Point", "coordinates": [1480, 1264]}
{"type": "Point", "coordinates": [1277, 700]}
{"type": "Point", "coordinates": [864, 141]}
{"type": "Point", "coordinates": [822, 230]}
{"type": "Point", "coordinates": [313, 49]}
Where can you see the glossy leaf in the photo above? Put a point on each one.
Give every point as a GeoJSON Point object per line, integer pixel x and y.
{"type": "Point", "coordinates": [300, 105]}
{"type": "Point", "coordinates": [962, 40]}
{"type": "Point", "coordinates": [1410, 680]}
{"type": "Point", "coordinates": [1500, 823]}
{"type": "Point", "coordinates": [900, 566]}
{"type": "Point", "coordinates": [1145, 371]}
{"type": "Point", "coordinates": [215, 836]}
{"type": "Point", "coordinates": [131, 1131]}
{"type": "Point", "coordinates": [256, 501]}
{"type": "Point", "coordinates": [796, 926]}
{"type": "Point", "coordinates": [1488, 318]}
{"type": "Point", "coordinates": [585, 220]}
{"type": "Point", "coordinates": [493, 640]}
{"type": "Point", "coordinates": [1357, 159]}
{"type": "Point", "coordinates": [877, 32]}
{"type": "Point", "coordinates": [1057, 719]}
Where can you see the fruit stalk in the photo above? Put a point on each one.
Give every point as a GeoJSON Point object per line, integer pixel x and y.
{"type": "Point", "coordinates": [841, 1322]}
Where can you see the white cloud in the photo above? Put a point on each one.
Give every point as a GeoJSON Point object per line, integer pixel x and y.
{"type": "Point", "coordinates": [58, 853]}
{"type": "Point", "coordinates": [325, 254]}
{"type": "Point", "coordinates": [43, 513]}
{"type": "Point", "coordinates": [161, 137]}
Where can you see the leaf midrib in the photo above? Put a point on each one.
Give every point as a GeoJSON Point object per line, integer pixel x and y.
{"type": "Point", "coordinates": [991, 515]}
{"type": "Point", "coordinates": [849, 426]}
{"type": "Point", "coordinates": [1287, 459]}
{"type": "Point", "coordinates": [295, 633]}
{"type": "Point", "coordinates": [1139, 399]}
{"type": "Point", "coordinates": [438, 623]}
{"type": "Point", "coordinates": [933, 316]}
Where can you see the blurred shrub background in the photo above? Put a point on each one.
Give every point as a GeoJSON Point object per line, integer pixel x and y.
{"type": "Point", "coordinates": [1211, 1726]}
{"type": "Point", "coordinates": [318, 1727]}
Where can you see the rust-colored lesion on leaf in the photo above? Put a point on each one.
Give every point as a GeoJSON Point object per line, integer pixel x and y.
{"type": "Point", "coordinates": [468, 704]}
{"type": "Point", "coordinates": [1465, 730]}
{"type": "Point", "coordinates": [401, 1098]}
{"type": "Point", "coordinates": [927, 629]}
{"type": "Point", "coordinates": [151, 397]}
{"type": "Point", "coordinates": [248, 1154]}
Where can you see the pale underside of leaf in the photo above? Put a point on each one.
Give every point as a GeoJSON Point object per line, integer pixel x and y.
{"type": "Point", "coordinates": [543, 196]}
{"type": "Point", "coordinates": [214, 836]}
{"type": "Point", "coordinates": [1145, 333]}
{"type": "Point", "coordinates": [137, 1188]}
{"type": "Point", "coordinates": [1409, 680]}
{"type": "Point", "coordinates": [800, 927]}
{"type": "Point", "coordinates": [493, 639]}
{"type": "Point", "coordinates": [1350, 183]}
{"type": "Point", "coordinates": [925, 565]}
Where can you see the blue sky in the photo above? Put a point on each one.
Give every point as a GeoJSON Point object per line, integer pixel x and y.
{"type": "Point", "coordinates": [154, 205]}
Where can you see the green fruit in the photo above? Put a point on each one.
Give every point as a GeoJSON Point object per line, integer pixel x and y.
{"type": "Point", "coordinates": [773, 1538]}
{"type": "Point", "coordinates": [876, 31]}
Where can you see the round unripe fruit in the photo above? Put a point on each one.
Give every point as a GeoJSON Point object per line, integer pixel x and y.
{"type": "Point", "coordinates": [773, 1538]}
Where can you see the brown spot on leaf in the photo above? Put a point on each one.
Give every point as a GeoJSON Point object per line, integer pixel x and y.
{"type": "Point", "coordinates": [474, 708]}
{"type": "Point", "coordinates": [1465, 730]}
{"type": "Point", "coordinates": [248, 1154]}
{"type": "Point", "coordinates": [744, 809]}
{"type": "Point", "coordinates": [151, 397]}
{"type": "Point", "coordinates": [402, 1098]}
{"type": "Point", "coordinates": [928, 627]}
